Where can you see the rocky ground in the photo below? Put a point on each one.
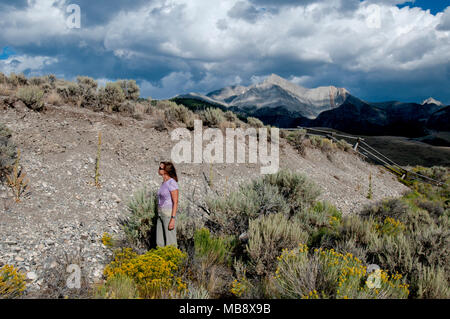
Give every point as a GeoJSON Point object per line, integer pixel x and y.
{"type": "Point", "coordinates": [65, 214]}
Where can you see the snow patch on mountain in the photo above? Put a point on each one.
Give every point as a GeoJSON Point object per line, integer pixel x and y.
{"type": "Point", "coordinates": [432, 101]}
{"type": "Point", "coordinates": [275, 92]}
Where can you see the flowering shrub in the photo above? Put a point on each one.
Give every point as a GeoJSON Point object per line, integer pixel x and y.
{"type": "Point", "coordinates": [311, 295]}
{"type": "Point", "coordinates": [240, 287]}
{"type": "Point", "coordinates": [330, 274]}
{"type": "Point", "coordinates": [153, 272]}
{"type": "Point", "coordinates": [12, 283]}
{"type": "Point", "coordinates": [390, 226]}
{"type": "Point", "coordinates": [107, 240]}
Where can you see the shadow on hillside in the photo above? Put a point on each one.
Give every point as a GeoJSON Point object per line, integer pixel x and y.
{"type": "Point", "coordinates": [406, 151]}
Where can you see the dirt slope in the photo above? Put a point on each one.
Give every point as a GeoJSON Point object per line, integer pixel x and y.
{"type": "Point", "coordinates": [64, 212]}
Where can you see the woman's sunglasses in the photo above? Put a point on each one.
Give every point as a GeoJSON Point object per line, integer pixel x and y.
{"type": "Point", "coordinates": [161, 169]}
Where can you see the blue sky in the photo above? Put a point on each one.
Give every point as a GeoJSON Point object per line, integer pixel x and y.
{"type": "Point", "coordinates": [434, 6]}
{"type": "Point", "coordinates": [377, 49]}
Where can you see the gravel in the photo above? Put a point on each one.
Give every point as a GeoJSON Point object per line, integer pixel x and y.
{"type": "Point", "coordinates": [65, 214]}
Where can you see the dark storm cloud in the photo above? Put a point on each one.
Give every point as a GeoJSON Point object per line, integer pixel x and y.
{"type": "Point", "coordinates": [243, 10]}
{"type": "Point", "coordinates": [99, 12]}
{"type": "Point", "coordinates": [15, 4]}
{"type": "Point", "coordinates": [173, 49]}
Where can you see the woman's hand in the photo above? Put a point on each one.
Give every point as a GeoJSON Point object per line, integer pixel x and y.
{"type": "Point", "coordinates": [172, 224]}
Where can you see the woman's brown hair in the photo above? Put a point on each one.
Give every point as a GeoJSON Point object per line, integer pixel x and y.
{"type": "Point", "coordinates": [170, 169]}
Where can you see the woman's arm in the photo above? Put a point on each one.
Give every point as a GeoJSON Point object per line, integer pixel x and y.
{"type": "Point", "coordinates": [174, 195]}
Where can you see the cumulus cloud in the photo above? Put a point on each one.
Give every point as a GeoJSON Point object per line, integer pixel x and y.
{"type": "Point", "coordinates": [176, 46]}
{"type": "Point", "coordinates": [25, 64]}
{"type": "Point", "coordinates": [444, 24]}
{"type": "Point", "coordinates": [313, 33]}
{"type": "Point", "coordinates": [244, 10]}
{"type": "Point", "coordinates": [29, 24]}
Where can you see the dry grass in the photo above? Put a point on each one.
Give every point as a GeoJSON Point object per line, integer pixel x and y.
{"type": "Point", "coordinates": [5, 90]}
{"type": "Point", "coordinates": [54, 99]}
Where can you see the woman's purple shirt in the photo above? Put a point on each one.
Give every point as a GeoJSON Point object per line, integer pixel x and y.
{"type": "Point", "coordinates": [164, 197]}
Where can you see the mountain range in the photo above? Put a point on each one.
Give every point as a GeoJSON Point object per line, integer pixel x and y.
{"type": "Point", "coordinates": [279, 102]}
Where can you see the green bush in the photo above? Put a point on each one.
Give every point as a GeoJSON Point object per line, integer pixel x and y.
{"type": "Point", "coordinates": [343, 145]}
{"type": "Point", "coordinates": [301, 141]}
{"type": "Point", "coordinates": [118, 286]}
{"type": "Point", "coordinates": [212, 250]}
{"type": "Point", "coordinates": [36, 81]}
{"type": "Point", "coordinates": [32, 97]}
{"type": "Point", "coordinates": [322, 143]}
{"type": "Point", "coordinates": [179, 113]}
{"type": "Point", "coordinates": [360, 231]}
{"type": "Point", "coordinates": [111, 96]}
{"type": "Point", "coordinates": [194, 291]}
{"type": "Point", "coordinates": [8, 152]}
{"type": "Point", "coordinates": [321, 221]}
{"type": "Point", "coordinates": [268, 235]}
{"type": "Point", "coordinates": [155, 272]}
{"type": "Point", "coordinates": [254, 122]}
{"type": "Point", "coordinates": [231, 214]}
{"type": "Point", "coordinates": [410, 235]}
{"type": "Point", "coordinates": [163, 104]}
{"type": "Point", "coordinates": [12, 282]}
{"type": "Point", "coordinates": [297, 139]}
{"type": "Point", "coordinates": [438, 173]}
{"type": "Point", "coordinates": [230, 117]}
{"type": "Point", "coordinates": [299, 192]}
{"type": "Point", "coordinates": [410, 253]}
{"type": "Point", "coordinates": [432, 283]}
{"type": "Point", "coordinates": [87, 92]}
{"type": "Point", "coordinates": [325, 273]}
{"type": "Point", "coordinates": [130, 89]}
{"type": "Point", "coordinates": [268, 198]}
{"type": "Point", "coordinates": [87, 83]}
{"type": "Point", "coordinates": [212, 117]}
{"type": "Point", "coordinates": [143, 208]}
{"type": "Point", "coordinates": [186, 228]}
{"type": "Point", "coordinates": [284, 192]}
{"type": "Point", "coordinates": [17, 80]}
{"type": "Point", "coordinates": [70, 92]}
{"type": "Point", "coordinates": [393, 208]}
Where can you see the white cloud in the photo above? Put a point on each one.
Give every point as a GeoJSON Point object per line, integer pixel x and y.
{"type": "Point", "coordinates": [444, 24]}
{"type": "Point", "coordinates": [19, 64]}
{"type": "Point", "coordinates": [202, 45]}
{"type": "Point", "coordinates": [202, 31]}
{"type": "Point", "coordinates": [38, 20]}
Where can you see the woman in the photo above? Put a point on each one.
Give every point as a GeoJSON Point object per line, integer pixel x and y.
{"type": "Point", "coordinates": [167, 205]}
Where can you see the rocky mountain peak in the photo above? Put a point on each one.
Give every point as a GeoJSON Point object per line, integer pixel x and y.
{"type": "Point", "coordinates": [432, 101]}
